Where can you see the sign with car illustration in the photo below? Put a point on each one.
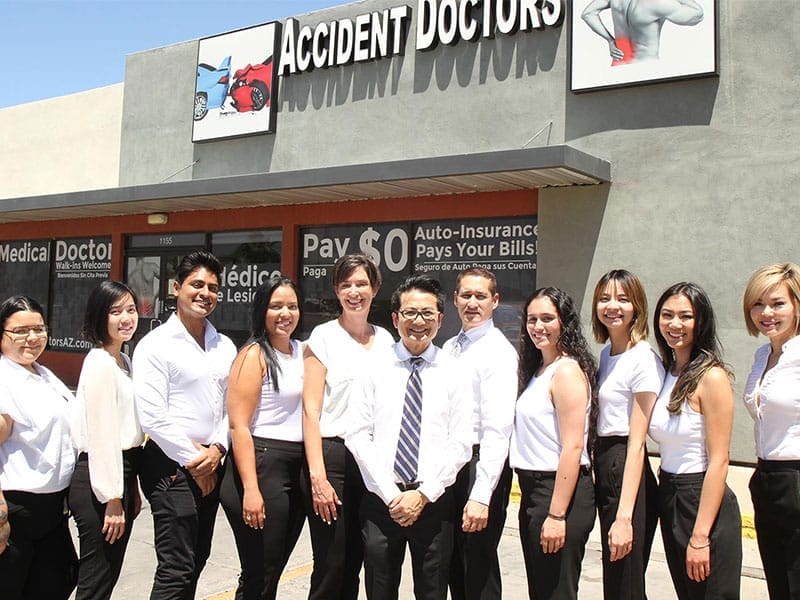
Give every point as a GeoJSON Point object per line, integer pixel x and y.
{"type": "Point", "coordinates": [236, 87]}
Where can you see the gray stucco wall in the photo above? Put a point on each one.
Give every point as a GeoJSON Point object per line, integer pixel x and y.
{"type": "Point", "coordinates": [704, 171]}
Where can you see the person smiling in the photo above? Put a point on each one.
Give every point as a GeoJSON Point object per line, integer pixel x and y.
{"type": "Point", "coordinates": [262, 491]}
{"type": "Point", "coordinates": [629, 379]}
{"type": "Point", "coordinates": [104, 493]}
{"type": "Point", "coordinates": [550, 444]}
{"type": "Point", "coordinates": [180, 373]}
{"type": "Point", "coordinates": [692, 423]}
{"type": "Point", "coordinates": [36, 460]}
{"type": "Point", "coordinates": [333, 358]}
{"type": "Point", "coordinates": [772, 396]}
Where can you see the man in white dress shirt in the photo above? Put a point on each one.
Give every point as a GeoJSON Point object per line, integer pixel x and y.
{"type": "Point", "coordinates": [482, 488]}
{"type": "Point", "coordinates": [410, 504]}
{"type": "Point", "coordinates": [180, 372]}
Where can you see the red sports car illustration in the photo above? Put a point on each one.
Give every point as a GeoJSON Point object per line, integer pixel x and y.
{"type": "Point", "coordinates": [251, 87]}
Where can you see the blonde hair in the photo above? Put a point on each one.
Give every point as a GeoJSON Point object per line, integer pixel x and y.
{"type": "Point", "coordinates": [763, 280]}
{"type": "Point", "coordinates": [633, 288]}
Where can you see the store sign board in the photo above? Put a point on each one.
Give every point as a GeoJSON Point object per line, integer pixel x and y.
{"type": "Point", "coordinates": [25, 269]}
{"type": "Point", "coordinates": [628, 42]}
{"type": "Point", "coordinates": [441, 249]}
{"type": "Point", "coordinates": [79, 265]}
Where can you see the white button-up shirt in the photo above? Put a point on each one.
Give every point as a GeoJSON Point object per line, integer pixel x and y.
{"type": "Point", "coordinates": [180, 388]}
{"type": "Point", "coordinates": [773, 400]}
{"type": "Point", "coordinates": [38, 455]}
{"type": "Point", "coordinates": [377, 401]}
{"type": "Point", "coordinates": [492, 363]}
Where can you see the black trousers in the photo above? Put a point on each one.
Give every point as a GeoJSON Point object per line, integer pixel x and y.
{"type": "Point", "coordinates": [475, 568]}
{"type": "Point", "coordinates": [554, 576]}
{"type": "Point", "coordinates": [263, 553]}
{"type": "Point", "coordinates": [100, 562]}
{"type": "Point", "coordinates": [39, 561]}
{"type": "Point", "coordinates": [678, 500]}
{"type": "Point", "coordinates": [338, 548]}
{"type": "Point", "coordinates": [183, 523]}
{"type": "Point", "coordinates": [624, 579]}
{"type": "Point", "coordinates": [430, 540]}
{"type": "Point", "coordinates": [775, 489]}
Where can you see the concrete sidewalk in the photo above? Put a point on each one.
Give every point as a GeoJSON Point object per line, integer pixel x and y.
{"type": "Point", "coordinates": [218, 581]}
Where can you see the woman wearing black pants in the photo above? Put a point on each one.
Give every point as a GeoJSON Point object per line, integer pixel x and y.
{"type": "Point", "coordinates": [772, 396]}
{"type": "Point", "coordinates": [262, 494]}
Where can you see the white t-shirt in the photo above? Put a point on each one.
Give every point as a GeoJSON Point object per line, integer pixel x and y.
{"type": "Point", "coordinates": [681, 438]}
{"type": "Point", "coordinates": [279, 415]}
{"type": "Point", "coordinates": [619, 377]}
{"type": "Point", "coordinates": [536, 440]}
{"type": "Point", "coordinates": [345, 360]}
{"type": "Point", "coordinates": [38, 455]}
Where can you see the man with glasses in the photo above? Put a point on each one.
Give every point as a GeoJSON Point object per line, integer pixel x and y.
{"type": "Point", "coordinates": [483, 485]}
{"type": "Point", "coordinates": [410, 434]}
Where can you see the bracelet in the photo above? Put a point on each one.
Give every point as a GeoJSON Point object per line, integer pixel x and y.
{"type": "Point", "coordinates": [701, 546]}
{"type": "Point", "coordinates": [556, 517]}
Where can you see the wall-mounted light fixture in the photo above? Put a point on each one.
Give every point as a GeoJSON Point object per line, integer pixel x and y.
{"type": "Point", "coordinates": [157, 218]}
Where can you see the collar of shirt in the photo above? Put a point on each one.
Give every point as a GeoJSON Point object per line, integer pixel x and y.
{"type": "Point", "coordinates": [177, 329]}
{"type": "Point", "coordinates": [16, 370]}
{"type": "Point", "coordinates": [792, 347]}
{"type": "Point", "coordinates": [402, 354]}
{"type": "Point", "coordinates": [476, 333]}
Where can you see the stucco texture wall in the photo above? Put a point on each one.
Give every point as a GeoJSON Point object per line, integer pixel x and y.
{"type": "Point", "coordinates": [64, 144]}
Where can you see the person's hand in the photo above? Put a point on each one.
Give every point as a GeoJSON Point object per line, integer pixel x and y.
{"type": "Point", "coordinates": [325, 500]}
{"type": "Point", "coordinates": [698, 561]}
{"type": "Point", "coordinates": [5, 526]}
{"type": "Point", "coordinates": [206, 462]}
{"type": "Point", "coordinates": [113, 521]}
{"type": "Point", "coordinates": [206, 483]}
{"type": "Point", "coordinates": [553, 535]}
{"type": "Point", "coordinates": [406, 508]}
{"type": "Point", "coordinates": [620, 539]}
{"type": "Point", "coordinates": [474, 517]}
{"type": "Point", "coordinates": [253, 512]}
{"type": "Point", "coordinates": [615, 52]}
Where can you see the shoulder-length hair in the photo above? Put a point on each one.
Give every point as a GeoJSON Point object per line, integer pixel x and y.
{"type": "Point", "coordinates": [706, 349]}
{"type": "Point", "coordinates": [345, 265]}
{"type": "Point", "coordinates": [629, 284]}
{"type": "Point", "coordinates": [95, 319]}
{"type": "Point", "coordinates": [571, 342]}
{"type": "Point", "coordinates": [258, 326]}
{"type": "Point", "coordinates": [763, 280]}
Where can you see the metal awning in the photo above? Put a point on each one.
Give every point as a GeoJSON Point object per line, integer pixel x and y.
{"type": "Point", "coordinates": [505, 170]}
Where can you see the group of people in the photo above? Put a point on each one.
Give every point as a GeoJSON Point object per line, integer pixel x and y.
{"type": "Point", "coordinates": [385, 445]}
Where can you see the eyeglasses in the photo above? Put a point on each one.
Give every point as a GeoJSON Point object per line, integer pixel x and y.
{"type": "Point", "coordinates": [410, 314]}
{"type": "Point", "coordinates": [21, 333]}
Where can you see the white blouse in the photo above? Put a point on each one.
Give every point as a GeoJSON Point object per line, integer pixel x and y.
{"type": "Point", "coordinates": [773, 400]}
{"type": "Point", "coordinates": [681, 438]}
{"type": "Point", "coordinates": [279, 415]}
{"type": "Point", "coordinates": [38, 455]}
{"type": "Point", "coordinates": [104, 421]}
{"type": "Point", "coordinates": [536, 440]}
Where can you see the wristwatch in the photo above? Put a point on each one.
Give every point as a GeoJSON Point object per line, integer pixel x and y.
{"type": "Point", "coordinates": [222, 450]}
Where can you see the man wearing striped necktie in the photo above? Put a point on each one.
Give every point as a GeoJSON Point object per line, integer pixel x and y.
{"type": "Point", "coordinates": [410, 435]}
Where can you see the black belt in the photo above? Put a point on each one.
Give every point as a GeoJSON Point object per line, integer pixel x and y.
{"type": "Point", "coordinates": [406, 487]}
{"type": "Point", "coordinates": [774, 466]}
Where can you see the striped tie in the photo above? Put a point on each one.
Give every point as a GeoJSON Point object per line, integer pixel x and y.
{"type": "Point", "coordinates": [407, 456]}
{"type": "Point", "coordinates": [461, 341]}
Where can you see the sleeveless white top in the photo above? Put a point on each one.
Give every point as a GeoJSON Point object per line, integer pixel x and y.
{"type": "Point", "coordinates": [279, 415]}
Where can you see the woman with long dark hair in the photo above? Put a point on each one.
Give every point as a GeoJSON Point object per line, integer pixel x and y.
{"type": "Point", "coordinates": [692, 423]}
{"type": "Point", "coordinates": [629, 379]}
{"type": "Point", "coordinates": [335, 354]}
{"type": "Point", "coordinates": [550, 444]}
{"type": "Point", "coordinates": [772, 396]}
{"type": "Point", "coordinates": [104, 493]}
{"type": "Point", "coordinates": [36, 460]}
{"type": "Point", "coordinates": [262, 496]}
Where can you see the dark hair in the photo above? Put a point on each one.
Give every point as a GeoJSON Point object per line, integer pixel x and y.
{"type": "Point", "coordinates": [571, 342]}
{"type": "Point", "coordinates": [706, 350]}
{"type": "Point", "coordinates": [423, 283]}
{"type": "Point", "coordinates": [16, 304]}
{"type": "Point", "coordinates": [345, 265]}
{"type": "Point", "coordinates": [258, 327]}
{"type": "Point", "coordinates": [478, 272]}
{"type": "Point", "coordinates": [95, 319]}
{"type": "Point", "coordinates": [634, 290]}
{"type": "Point", "coordinates": [196, 260]}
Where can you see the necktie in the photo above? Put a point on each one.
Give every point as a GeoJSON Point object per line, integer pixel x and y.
{"type": "Point", "coordinates": [461, 341]}
{"type": "Point", "coordinates": [407, 457]}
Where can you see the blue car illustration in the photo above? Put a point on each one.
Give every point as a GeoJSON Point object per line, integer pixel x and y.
{"type": "Point", "coordinates": [212, 87]}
